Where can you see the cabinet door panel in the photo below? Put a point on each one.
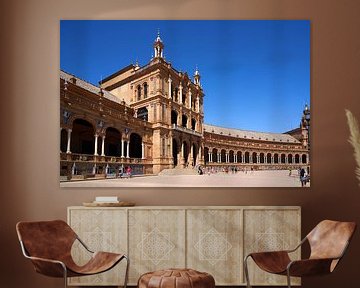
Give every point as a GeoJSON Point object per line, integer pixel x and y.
{"type": "Point", "coordinates": [100, 230]}
{"type": "Point", "coordinates": [270, 230]}
{"type": "Point", "coordinates": [214, 244]}
{"type": "Point", "coordinates": [156, 240]}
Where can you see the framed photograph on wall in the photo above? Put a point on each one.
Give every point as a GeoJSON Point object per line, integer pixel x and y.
{"type": "Point", "coordinates": [185, 103]}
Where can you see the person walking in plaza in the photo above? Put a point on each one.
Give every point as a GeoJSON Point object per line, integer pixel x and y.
{"type": "Point", "coordinates": [302, 177]}
{"type": "Point", "coordinates": [128, 171]}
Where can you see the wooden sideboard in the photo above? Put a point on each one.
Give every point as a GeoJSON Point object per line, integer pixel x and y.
{"type": "Point", "coordinates": [211, 239]}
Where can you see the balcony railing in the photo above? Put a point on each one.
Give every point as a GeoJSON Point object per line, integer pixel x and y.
{"type": "Point", "coordinates": [75, 157]}
{"type": "Point", "coordinates": [186, 130]}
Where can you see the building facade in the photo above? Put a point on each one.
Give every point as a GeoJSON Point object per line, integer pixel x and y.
{"type": "Point", "coordinates": [151, 118]}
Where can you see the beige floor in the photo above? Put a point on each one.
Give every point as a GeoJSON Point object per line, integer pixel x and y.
{"type": "Point", "coordinates": [278, 178]}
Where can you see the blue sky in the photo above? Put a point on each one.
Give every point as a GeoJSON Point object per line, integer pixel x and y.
{"type": "Point", "coordinates": [255, 73]}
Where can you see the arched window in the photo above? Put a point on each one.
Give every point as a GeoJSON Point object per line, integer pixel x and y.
{"type": "Point", "coordinates": [145, 90]}
{"type": "Point", "coordinates": [174, 116]}
{"type": "Point", "coordinates": [176, 94]}
{"type": "Point", "coordinates": [142, 113]}
{"type": "Point", "coordinates": [184, 121]}
{"type": "Point", "coordinates": [138, 93]}
{"type": "Point", "coordinates": [193, 124]}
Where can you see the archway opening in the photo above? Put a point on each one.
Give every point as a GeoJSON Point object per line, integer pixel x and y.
{"type": "Point", "coordinates": [290, 158]}
{"type": "Point", "coordinates": [185, 152]}
{"type": "Point", "coordinates": [268, 158]}
{"type": "Point", "coordinates": [247, 157]}
{"type": "Point", "coordinates": [283, 158]}
{"type": "Point", "coordinates": [276, 158]}
{"type": "Point", "coordinates": [135, 148]}
{"type": "Point", "coordinates": [175, 149]}
{"type": "Point", "coordinates": [223, 156]}
{"type": "Point", "coordinates": [194, 152]}
{"type": "Point", "coordinates": [112, 142]}
{"type": "Point", "coordinates": [63, 140]}
{"type": "Point", "coordinates": [262, 158]}
{"type": "Point", "coordinates": [206, 155]}
{"type": "Point", "coordinates": [82, 137]}
{"type": "Point", "coordinates": [254, 158]}
{"type": "Point", "coordinates": [231, 156]}
{"type": "Point", "coordinates": [215, 155]}
{"type": "Point", "coordinates": [304, 159]}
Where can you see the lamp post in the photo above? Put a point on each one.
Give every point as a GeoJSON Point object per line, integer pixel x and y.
{"type": "Point", "coordinates": [306, 113]}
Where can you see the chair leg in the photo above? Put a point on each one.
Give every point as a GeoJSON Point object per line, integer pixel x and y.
{"type": "Point", "coordinates": [65, 275]}
{"type": "Point", "coordinates": [288, 279]}
{"type": "Point", "coordinates": [246, 272]}
{"type": "Point", "coordinates": [127, 271]}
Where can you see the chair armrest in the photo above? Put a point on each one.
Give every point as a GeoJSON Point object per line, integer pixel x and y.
{"type": "Point", "coordinates": [309, 267]}
{"type": "Point", "coordinates": [48, 267]}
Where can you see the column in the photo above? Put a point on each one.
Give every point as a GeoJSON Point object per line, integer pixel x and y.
{"type": "Point", "coordinates": [250, 158]}
{"type": "Point", "coordinates": [293, 160]}
{"type": "Point", "coordinates": [197, 104]}
{"type": "Point", "coordinates": [235, 158]}
{"type": "Point", "coordinates": [286, 159]}
{"type": "Point", "coordinates": [257, 158]}
{"type": "Point", "coordinates": [127, 149]}
{"type": "Point", "coordinates": [68, 141]}
{"type": "Point", "coordinates": [142, 150]}
{"type": "Point", "coordinates": [122, 148]}
{"type": "Point", "coordinates": [219, 157]}
{"type": "Point", "coordinates": [242, 158]}
{"type": "Point", "coordinates": [227, 157]}
{"type": "Point", "coordinates": [103, 146]}
{"type": "Point", "coordinates": [180, 93]}
{"type": "Point", "coordinates": [169, 87]}
{"type": "Point", "coordinates": [96, 145]}
{"type": "Point", "coordinates": [210, 156]}
{"type": "Point", "coordinates": [199, 155]}
{"type": "Point", "coordinates": [191, 154]}
{"type": "Point", "coordinates": [272, 159]}
{"type": "Point", "coordinates": [190, 99]}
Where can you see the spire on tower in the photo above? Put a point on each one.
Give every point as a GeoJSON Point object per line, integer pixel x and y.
{"type": "Point", "coordinates": [197, 76]}
{"type": "Point", "coordinates": [158, 46]}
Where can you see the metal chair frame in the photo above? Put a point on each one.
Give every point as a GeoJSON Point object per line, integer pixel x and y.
{"type": "Point", "coordinates": [26, 255]}
{"type": "Point", "coordinates": [288, 276]}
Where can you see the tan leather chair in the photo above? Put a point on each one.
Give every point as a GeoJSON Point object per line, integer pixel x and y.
{"type": "Point", "coordinates": [328, 242]}
{"type": "Point", "coordinates": [48, 245]}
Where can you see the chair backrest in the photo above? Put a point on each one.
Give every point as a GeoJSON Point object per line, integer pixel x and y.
{"type": "Point", "coordinates": [46, 239]}
{"type": "Point", "coordinates": [329, 239]}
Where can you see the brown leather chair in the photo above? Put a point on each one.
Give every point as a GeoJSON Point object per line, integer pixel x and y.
{"type": "Point", "coordinates": [48, 245]}
{"type": "Point", "coordinates": [328, 242]}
